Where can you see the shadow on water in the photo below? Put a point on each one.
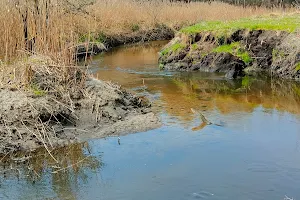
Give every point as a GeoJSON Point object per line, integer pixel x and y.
{"type": "Point", "coordinates": [250, 151]}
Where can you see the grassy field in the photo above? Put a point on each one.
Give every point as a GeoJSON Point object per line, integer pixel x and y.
{"type": "Point", "coordinates": [53, 26]}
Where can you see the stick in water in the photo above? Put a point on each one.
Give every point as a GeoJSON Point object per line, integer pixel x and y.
{"type": "Point", "coordinates": [201, 116]}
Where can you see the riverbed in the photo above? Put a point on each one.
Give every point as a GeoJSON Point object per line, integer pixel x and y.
{"type": "Point", "coordinates": [250, 151]}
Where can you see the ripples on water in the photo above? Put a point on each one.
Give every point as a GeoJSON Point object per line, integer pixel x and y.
{"type": "Point", "coordinates": [254, 154]}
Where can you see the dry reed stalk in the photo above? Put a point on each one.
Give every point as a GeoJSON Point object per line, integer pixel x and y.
{"type": "Point", "coordinates": [119, 16]}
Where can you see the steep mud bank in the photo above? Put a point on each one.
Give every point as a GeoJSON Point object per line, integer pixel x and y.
{"type": "Point", "coordinates": [243, 51]}
{"type": "Point", "coordinates": [49, 115]}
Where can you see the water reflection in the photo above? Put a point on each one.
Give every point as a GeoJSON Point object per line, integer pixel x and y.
{"type": "Point", "coordinates": [59, 180]}
{"type": "Point", "coordinates": [229, 96]}
{"type": "Point", "coordinates": [136, 67]}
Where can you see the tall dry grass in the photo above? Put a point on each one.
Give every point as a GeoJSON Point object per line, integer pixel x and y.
{"type": "Point", "coordinates": [118, 16]}
{"type": "Point", "coordinates": [56, 28]}
{"type": "Point", "coordinates": [50, 30]}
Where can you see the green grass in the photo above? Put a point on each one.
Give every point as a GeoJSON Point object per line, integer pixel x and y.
{"type": "Point", "coordinates": [135, 27]}
{"type": "Point", "coordinates": [284, 23]}
{"type": "Point", "coordinates": [235, 49]}
{"type": "Point", "coordinates": [227, 48]}
{"type": "Point", "coordinates": [296, 89]}
{"type": "Point", "coordinates": [161, 66]}
{"type": "Point", "coordinates": [194, 46]}
{"type": "Point", "coordinates": [92, 37]}
{"type": "Point", "coordinates": [297, 66]}
{"type": "Point", "coordinates": [37, 91]}
{"type": "Point", "coordinates": [174, 48]}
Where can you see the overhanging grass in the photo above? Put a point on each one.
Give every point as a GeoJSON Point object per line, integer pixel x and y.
{"type": "Point", "coordinates": [174, 48]}
{"type": "Point", "coordinates": [228, 48]}
{"type": "Point", "coordinates": [235, 49]}
{"type": "Point", "coordinates": [283, 23]}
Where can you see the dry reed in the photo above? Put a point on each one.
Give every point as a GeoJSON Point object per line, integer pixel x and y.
{"type": "Point", "coordinates": [53, 29]}
{"type": "Point", "coordinates": [118, 16]}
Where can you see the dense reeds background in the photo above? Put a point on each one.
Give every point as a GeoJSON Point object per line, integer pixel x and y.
{"type": "Point", "coordinates": [53, 27]}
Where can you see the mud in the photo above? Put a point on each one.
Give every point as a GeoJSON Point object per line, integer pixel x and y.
{"type": "Point", "coordinates": [28, 122]}
{"type": "Point", "coordinates": [274, 52]}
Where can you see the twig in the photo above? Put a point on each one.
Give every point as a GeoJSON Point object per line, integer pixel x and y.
{"type": "Point", "coordinates": [75, 129]}
{"type": "Point", "coordinates": [4, 156]}
{"type": "Point", "coordinates": [40, 140]}
{"type": "Point", "coordinates": [55, 172]}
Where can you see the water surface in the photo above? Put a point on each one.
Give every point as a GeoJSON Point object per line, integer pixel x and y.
{"type": "Point", "coordinates": [252, 153]}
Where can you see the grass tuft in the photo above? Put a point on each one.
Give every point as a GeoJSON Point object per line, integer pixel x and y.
{"type": "Point", "coordinates": [235, 49]}
{"type": "Point", "coordinates": [37, 91]}
{"type": "Point", "coordinates": [173, 49]}
{"type": "Point", "coordinates": [297, 66]}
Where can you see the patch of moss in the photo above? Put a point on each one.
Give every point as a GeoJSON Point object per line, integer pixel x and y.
{"type": "Point", "coordinates": [289, 23]}
{"type": "Point", "coordinates": [235, 49]}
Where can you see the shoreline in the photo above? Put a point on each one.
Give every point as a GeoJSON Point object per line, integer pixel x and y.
{"type": "Point", "coordinates": [53, 113]}
{"type": "Point", "coordinates": [237, 48]}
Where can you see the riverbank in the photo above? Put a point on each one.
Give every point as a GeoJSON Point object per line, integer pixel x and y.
{"type": "Point", "coordinates": [238, 47]}
{"type": "Point", "coordinates": [54, 108]}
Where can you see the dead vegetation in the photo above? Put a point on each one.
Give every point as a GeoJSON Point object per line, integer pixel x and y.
{"type": "Point", "coordinates": [37, 99]}
{"type": "Point", "coordinates": [55, 105]}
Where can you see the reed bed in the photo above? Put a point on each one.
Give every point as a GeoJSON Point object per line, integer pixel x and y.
{"type": "Point", "coordinates": [117, 16]}
{"type": "Point", "coordinates": [54, 27]}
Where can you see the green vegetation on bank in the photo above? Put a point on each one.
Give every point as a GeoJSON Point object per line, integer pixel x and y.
{"type": "Point", "coordinates": [174, 48]}
{"type": "Point", "coordinates": [235, 49]}
{"type": "Point", "coordinates": [297, 67]}
{"type": "Point", "coordinates": [288, 23]}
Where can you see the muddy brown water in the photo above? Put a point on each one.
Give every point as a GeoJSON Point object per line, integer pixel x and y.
{"type": "Point", "coordinates": [252, 153]}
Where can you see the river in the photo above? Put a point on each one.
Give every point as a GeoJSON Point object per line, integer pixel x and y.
{"type": "Point", "coordinates": [250, 151]}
